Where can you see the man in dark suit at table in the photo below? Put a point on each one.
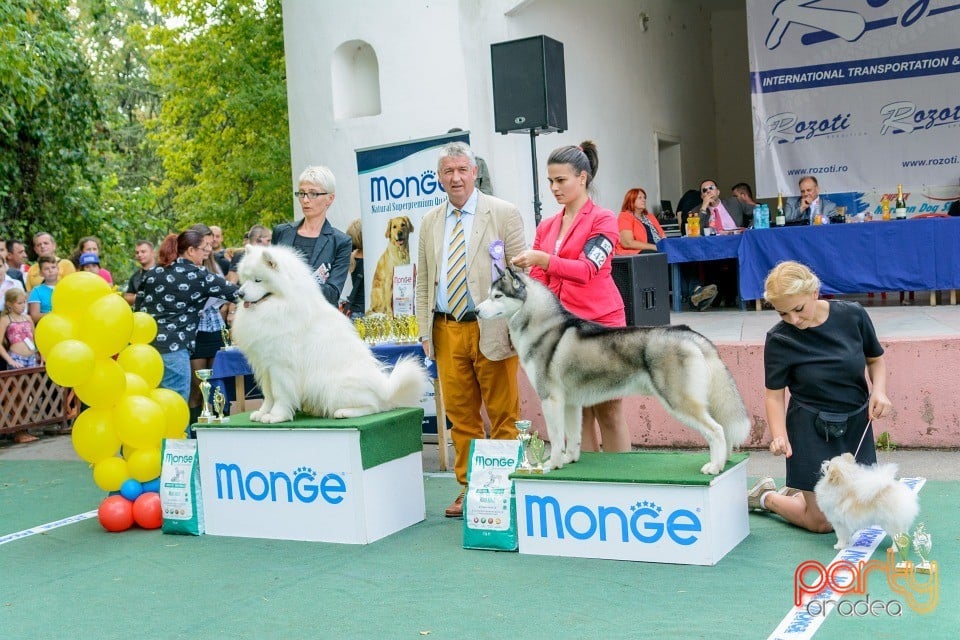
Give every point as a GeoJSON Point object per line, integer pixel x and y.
{"type": "Point", "coordinates": [809, 204]}
{"type": "Point", "coordinates": [476, 362]}
{"type": "Point", "coordinates": [728, 214]}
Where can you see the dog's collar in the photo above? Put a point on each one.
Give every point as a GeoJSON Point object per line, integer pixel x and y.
{"type": "Point", "coordinates": [247, 304]}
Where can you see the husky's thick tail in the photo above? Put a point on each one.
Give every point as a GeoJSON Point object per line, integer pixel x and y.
{"type": "Point", "coordinates": [407, 383]}
{"type": "Point", "coordinates": [726, 404]}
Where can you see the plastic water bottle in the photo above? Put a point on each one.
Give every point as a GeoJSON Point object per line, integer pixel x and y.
{"type": "Point", "coordinates": [757, 214]}
{"type": "Point", "coordinates": [765, 212]}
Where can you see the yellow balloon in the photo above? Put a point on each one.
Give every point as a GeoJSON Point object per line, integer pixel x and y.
{"type": "Point", "coordinates": [94, 437]}
{"type": "Point", "coordinates": [106, 325]}
{"type": "Point", "coordinates": [110, 473]}
{"type": "Point", "coordinates": [144, 464]}
{"type": "Point", "coordinates": [105, 386]}
{"type": "Point", "coordinates": [175, 410]}
{"type": "Point", "coordinates": [136, 386]}
{"type": "Point", "coordinates": [53, 329]}
{"type": "Point", "coordinates": [70, 363]}
{"type": "Point", "coordinates": [145, 361]}
{"type": "Point", "coordinates": [140, 421]}
{"type": "Point", "coordinates": [77, 291]}
{"type": "Point", "coordinates": [144, 328]}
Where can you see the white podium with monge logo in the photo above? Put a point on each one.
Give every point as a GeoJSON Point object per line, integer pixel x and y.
{"type": "Point", "coordinates": [321, 480]}
{"type": "Point", "coordinates": [643, 506]}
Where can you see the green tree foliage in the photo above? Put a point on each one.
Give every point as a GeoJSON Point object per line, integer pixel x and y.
{"type": "Point", "coordinates": [48, 113]}
{"type": "Point", "coordinates": [222, 133]}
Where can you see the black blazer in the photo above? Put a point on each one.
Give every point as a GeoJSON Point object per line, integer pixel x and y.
{"type": "Point", "coordinates": [332, 249]}
{"type": "Point", "coordinates": [16, 274]}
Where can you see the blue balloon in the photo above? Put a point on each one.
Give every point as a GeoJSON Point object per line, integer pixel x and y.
{"type": "Point", "coordinates": [131, 489]}
{"type": "Point", "coordinates": [152, 486]}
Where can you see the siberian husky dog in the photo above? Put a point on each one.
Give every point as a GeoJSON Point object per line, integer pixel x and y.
{"type": "Point", "coordinates": [574, 363]}
{"type": "Point", "coordinates": [305, 354]}
{"type": "Point", "coordinates": [854, 496]}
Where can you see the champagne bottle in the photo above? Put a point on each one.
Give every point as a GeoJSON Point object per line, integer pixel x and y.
{"type": "Point", "coordinates": [781, 220]}
{"type": "Point", "coordinates": [900, 207]}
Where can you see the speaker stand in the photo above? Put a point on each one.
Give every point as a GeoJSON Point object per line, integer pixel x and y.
{"type": "Point", "coordinates": [536, 179]}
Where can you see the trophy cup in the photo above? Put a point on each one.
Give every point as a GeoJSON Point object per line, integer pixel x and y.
{"type": "Point", "coordinates": [225, 334]}
{"type": "Point", "coordinates": [922, 543]}
{"type": "Point", "coordinates": [902, 543]}
{"type": "Point", "coordinates": [219, 401]}
{"type": "Point", "coordinates": [531, 449]}
{"type": "Point", "coordinates": [206, 416]}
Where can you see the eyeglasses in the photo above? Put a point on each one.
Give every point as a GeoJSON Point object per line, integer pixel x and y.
{"type": "Point", "coordinates": [309, 195]}
{"type": "Point", "coordinates": [709, 187]}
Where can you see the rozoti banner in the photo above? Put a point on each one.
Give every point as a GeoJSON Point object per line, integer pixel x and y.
{"type": "Point", "coordinates": [862, 94]}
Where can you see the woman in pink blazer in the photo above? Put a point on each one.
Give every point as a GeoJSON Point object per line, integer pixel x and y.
{"type": "Point", "coordinates": [571, 255]}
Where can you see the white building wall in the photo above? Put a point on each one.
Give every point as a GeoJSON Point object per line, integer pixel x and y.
{"type": "Point", "coordinates": [623, 85]}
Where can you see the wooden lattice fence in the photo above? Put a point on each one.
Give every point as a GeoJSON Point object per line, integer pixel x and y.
{"type": "Point", "coordinates": [29, 399]}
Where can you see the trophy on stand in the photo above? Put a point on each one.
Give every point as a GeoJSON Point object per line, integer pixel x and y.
{"type": "Point", "coordinates": [531, 449]}
{"type": "Point", "coordinates": [219, 401]}
{"type": "Point", "coordinates": [902, 543]}
{"type": "Point", "coordinates": [206, 416]}
{"type": "Point", "coordinates": [922, 543]}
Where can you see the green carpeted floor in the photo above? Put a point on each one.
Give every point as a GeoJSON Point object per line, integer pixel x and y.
{"type": "Point", "coordinates": [80, 582]}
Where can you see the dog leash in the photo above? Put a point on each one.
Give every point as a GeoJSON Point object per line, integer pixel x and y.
{"type": "Point", "coordinates": [857, 452]}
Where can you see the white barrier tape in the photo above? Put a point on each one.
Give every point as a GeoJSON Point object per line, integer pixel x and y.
{"type": "Point", "coordinates": [80, 517]}
{"type": "Point", "coordinates": [801, 625]}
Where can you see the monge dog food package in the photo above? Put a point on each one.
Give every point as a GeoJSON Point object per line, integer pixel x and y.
{"type": "Point", "coordinates": [490, 505]}
{"type": "Point", "coordinates": [180, 498]}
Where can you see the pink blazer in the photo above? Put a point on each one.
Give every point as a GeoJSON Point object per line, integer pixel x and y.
{"type": "Point", "coordinates": [579, 273]}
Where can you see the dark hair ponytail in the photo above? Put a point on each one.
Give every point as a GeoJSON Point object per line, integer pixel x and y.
{"type": "Point", "coordinates": [582, 158]}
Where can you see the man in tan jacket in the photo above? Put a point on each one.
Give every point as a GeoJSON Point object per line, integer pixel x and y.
{"type": "Point", "coordinates": [476, 363]}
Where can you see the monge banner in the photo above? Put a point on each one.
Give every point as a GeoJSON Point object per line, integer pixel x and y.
{"type": "Point", "coordinates": [398, 186]}
{"type": "Point", "coordinates": [861, 94]}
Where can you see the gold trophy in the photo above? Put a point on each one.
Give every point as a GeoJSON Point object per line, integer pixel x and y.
{"type": "Point", "coordinates": [219, 402]}
{"type": "Point", "coordinates": [531, 449]}
{"type": "Point", "coordinates": [206, 416]}
{"type": "Point", "coordinates": [225, 334]}
{"type": "Point", "coordinates": [922, 543]}
{"type": "Point", "coordinates": [902, 543]}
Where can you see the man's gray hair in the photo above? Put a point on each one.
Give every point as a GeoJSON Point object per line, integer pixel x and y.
{"type": "Point", "coordinates": [456, 150]}
{"type": "Point", "coordinates": [320, 176]}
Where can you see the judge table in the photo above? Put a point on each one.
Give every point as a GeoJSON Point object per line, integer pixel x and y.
{"type": "Point", "coordinates": [231, 363]}
{"type": "Point", "coordinates": [920, 254]}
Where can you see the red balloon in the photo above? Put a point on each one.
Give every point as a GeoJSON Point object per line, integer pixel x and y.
{"type": "Point", "coordinates": [146, 511]}
{"type": "Point", "coordinates": [115, 514]}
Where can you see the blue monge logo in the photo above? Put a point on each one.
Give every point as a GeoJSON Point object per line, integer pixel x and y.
{"type": "Point", "coordinates": [646, 522]}
{"type": "Point", "coordinates": [400, 188]}
{"type": "Point", "coordinates": [277, 486]}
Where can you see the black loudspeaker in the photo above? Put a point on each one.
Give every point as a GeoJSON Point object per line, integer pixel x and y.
{"type": "Point", "coordinates": [529, 89]}
{"type": "Point", "coordinates": [642, 281]}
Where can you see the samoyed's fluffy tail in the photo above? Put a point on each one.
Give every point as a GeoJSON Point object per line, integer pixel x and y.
{"type": "Point", "coordinates": [407, 383]}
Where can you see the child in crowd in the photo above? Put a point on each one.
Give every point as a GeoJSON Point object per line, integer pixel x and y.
{"type": "Point", "coordinates": [91, 262]}
{"type": "Point", "coordinates": [17, 348]}
{"type": "Point", "coordinates": [91, 244]}
{"type": "Point", "coordinates": [40, 301]}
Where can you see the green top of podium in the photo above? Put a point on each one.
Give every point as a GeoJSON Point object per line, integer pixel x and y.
{"type": "Point", "coordinates": [641, 467]}
{"type": "Point", "coordinates": [383, 436]}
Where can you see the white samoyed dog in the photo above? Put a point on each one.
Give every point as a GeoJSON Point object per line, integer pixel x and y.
{"type": "Point", "coordinates": [305, 354]}
{"type": "Point", "coordinates": [854, 496]}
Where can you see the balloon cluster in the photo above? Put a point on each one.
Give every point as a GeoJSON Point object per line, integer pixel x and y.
{"type": "Point", "coordinates": [92, 341]}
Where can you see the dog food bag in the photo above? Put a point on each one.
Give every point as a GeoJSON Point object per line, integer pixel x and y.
{"type": "Point", "coordinates": [490, 504]}
{"type": "Point", "coordinates": [404, 285]}
{"type": "Point", "coordinates": [180, 498]}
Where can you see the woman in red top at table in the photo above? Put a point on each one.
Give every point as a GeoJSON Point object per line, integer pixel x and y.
{"type": "Point", "coordinates": [639, 229]}
{"type": "Point", "coordinates": [571, 255]}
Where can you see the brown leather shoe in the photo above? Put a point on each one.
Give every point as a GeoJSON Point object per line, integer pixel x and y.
{"type": "Point", "coordinates": [455, 510]}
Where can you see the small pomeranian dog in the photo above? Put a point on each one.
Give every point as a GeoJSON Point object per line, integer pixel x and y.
{"type": "Point", "coordinates": [853, 496]}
